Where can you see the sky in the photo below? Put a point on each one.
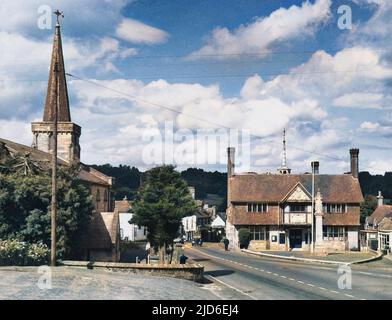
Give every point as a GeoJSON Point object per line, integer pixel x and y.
{"type": "Point", "coordinates": [160, 71]}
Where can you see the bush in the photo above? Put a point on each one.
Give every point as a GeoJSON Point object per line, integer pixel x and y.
{"type": "Point", "coordinates": [244, 237]}
{"type": "Point", "coordinates": [17, 253]}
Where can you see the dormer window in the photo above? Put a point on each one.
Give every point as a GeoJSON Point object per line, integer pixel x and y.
{"type": "Point", "coordinates": [257, 207]}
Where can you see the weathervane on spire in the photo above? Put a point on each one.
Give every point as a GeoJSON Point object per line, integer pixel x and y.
{"type": "Point", "coordinates": [59, 14]}
{"type": "Point", "coordinates": [284, 169]}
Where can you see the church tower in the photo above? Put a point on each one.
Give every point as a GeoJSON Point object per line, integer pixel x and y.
{"type": "Point", "coordinates": [68, 132]}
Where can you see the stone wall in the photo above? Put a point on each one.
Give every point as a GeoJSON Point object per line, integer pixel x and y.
{"type": "Point", "coordinates": [193, 272]}
{"type": "Point", "coordinates": [258, 245]}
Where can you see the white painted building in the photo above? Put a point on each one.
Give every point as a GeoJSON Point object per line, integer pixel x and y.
{"type": "Point", "coordinates": [128, 231]}
{"type": "Point", "coordinates": [131, 232]}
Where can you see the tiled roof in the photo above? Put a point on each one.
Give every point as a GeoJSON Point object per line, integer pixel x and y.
{"type": "Point", "coordinates": [122, 206]}
{"type": "Point", "coordinates": [274, 187]}
{"type": "Point", "coordinates": [385, 224]}
{"type": "Point", "coordinates": [380, 213]}
{"type": "Point", "coordinates": [86, 173]}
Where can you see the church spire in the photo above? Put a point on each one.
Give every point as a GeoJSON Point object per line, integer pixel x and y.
{"type": "Point", "coordinates": [64, 114]}
{"type": "Point", "coordinates": [68, 147]}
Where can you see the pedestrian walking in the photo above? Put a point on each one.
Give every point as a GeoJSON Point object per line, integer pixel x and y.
{"type": "Point", "coordinates": [183, 259]}
{"type": "Point", "coordinates": [226, 242]}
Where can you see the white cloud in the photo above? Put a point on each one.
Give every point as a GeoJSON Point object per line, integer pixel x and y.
{"type": "Point", "coordinates": [16, 130]}
{"type": "Point", "coordinates": [360, 100]}
{"type": "Point", "coordinates": [137, 32]}
{"type": "Point", "coordinates": [326, 77]}
{"type": "Point", "coordinates": [380, 128]}
{"type": "Point", "coordinates": [23, 78]}
{"type": "Point", "coordinates": [259, 35]}
{"type": "Point", "coordinates": [97, 16]}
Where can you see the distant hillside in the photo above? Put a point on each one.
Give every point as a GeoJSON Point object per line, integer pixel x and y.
{"type": "Point", "coordinates": [371, 184]}
{"type": "Point", "coordinates": [211, 186]}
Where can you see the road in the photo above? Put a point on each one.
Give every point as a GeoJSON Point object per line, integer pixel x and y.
{"type": "Point", "coordinates": [261, 278]}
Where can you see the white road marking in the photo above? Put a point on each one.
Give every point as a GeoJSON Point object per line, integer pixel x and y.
{"type": "Point", "coordinates": [375, 274]}
{"type": "Point", "coordinates": [276, 274]}
{"type": "Point", "coordinates": [231, 287]}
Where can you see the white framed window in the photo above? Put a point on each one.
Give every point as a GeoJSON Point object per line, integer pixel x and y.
{"type": "Point", "coordinates": [257, 207]}
{"type": "Point", "coordinates": [334, 208]}
{"type": "Point", "coordinates": [259, 233]}
{"type": "Point", "coordinates": [384, 241]}
{"type": "Point", "coordinates": [334, 233]}
{"type": "Point", "coordinates": [298, 207]}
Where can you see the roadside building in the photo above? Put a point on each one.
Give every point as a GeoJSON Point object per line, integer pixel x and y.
{"type": "Point", "coordinates": [377, 234]}
{"type": "Point", "coordinates": [198, 226]}
{"type": "Point", "coordinates": [277, 208]}
{"type": "Point", "coordinates": [218, 226]}
{"type": "Point", "coordinates": [129, 231]}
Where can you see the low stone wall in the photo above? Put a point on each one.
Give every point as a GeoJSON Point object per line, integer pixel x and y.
{"type": "Point", "coordinates": [193, 272]}
{"type": "Point", "coordinates": [258, 245]}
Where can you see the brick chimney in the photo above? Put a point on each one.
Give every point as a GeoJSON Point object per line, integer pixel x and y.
{"type": "Point", "coordinates": [354, 162]}
{"type": "Point", "coordinates": [316, 166]}
{"type": "Point", "coordinates": [230, 161]}
{"type": "Point", "coordinates": [380, 199]}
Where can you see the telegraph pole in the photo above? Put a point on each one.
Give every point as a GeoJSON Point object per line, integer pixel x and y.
{"type": "Point", "coordinates": [53, 237]}
{"type": "Point", "coordinates": [54, 172]}
{"type": "Point", "coordinates": [312, 232]}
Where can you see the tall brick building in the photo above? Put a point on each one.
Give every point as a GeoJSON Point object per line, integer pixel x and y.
{"type": "Point", "coordinates": [277, 208]}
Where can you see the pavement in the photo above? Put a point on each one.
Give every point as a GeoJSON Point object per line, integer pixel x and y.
{"type": "Point", "coordinates": [332, 258]}
{"type": "Point", "coordinates": [21, 283]}
{"type": "Point", "coordinates": [263, 278]}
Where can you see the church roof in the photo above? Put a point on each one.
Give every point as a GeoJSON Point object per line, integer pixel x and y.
{"type": "Point", "coordinates": [86, 173]}
{"type": "Point", "coordinates": [274, 187]}
{"type": "Point", "coordinates": [64, 114]}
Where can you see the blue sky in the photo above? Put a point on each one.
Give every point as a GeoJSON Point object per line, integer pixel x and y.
{"type": "Point", "coordinates": [246, 64]}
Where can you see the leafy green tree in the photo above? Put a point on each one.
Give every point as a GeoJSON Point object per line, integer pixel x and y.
{"type": "Point", "coordinates": [244, 237]}
{"type": "Point", "coordinates": [25, 208]}
{"type": "Point", "coordinates": [163, 200]}
{"type": "Point", "coordinates": [368, 207]}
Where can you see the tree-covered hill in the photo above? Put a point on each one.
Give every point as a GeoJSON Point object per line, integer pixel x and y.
{"type": "Point", "coordinates": [371, 184]}
{"type": "Point", "coordinates": [213, 185]}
